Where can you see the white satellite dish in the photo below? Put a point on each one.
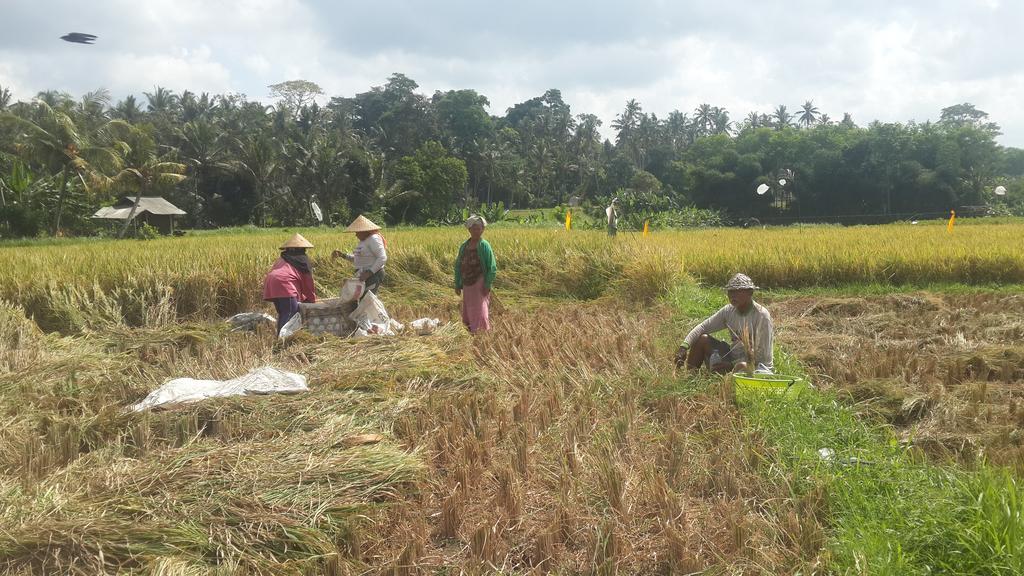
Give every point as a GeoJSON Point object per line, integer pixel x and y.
{"type": "Point", "coordinates": [762, 189]}
{"type": "Point", "coordinates": [782, 181]}
{"type": "Point", "coordinates": [1000, 190]}
{"type": "Point", "coordinates": [316, 212]}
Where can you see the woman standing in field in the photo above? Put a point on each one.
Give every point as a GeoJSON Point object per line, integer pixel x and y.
{"type": "Point", "coordinates": [290, 281]}
{"type": "Point", "coordinates": [475, 269]}
{"type": "Point", "coordinates": [370, 254]}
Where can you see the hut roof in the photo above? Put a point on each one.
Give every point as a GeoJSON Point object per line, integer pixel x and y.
{"type": "Point", "coordinates": [152, 204]}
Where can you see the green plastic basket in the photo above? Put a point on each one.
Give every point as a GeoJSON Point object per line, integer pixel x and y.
{"type": "Point", "coordinates": [768, 384]}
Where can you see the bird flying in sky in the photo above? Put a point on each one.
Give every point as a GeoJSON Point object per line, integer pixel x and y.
{"type": "Point", "coordinates": [79, 38]}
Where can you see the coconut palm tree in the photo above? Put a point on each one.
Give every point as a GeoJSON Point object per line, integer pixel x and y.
{"type": "Point", "coordinates": [677, 129]}
{"type": "Point", "coordinates": [753, 120]}
{"type": "Point", "coordinates": [720, 121]}
{"type": "Point", "coordinates": [704, 119]}
{"type": "Point", "coordinates": [52, 139]}
{"type": "Point", "coordinates": [142, 170]}
{"type": "Point", "coordinates": [203, 147]}
{"type": "Point", "coordinates": [161, 100]}
{"type": "Point", "coordinates": [92, 111]}
{"type": "Point", "coordinates": [782, 117]}
{"type": "Point", "coordinates": [258, 159]}
{"type": "Point", "coordinates": [128, 110]}
{"type": "Point", "coordinates": [808, 114]}
{"type": "Point", "coordinates": [625, 124]}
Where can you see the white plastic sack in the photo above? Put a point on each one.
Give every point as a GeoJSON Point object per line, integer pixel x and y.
{"type": "Point", "coordinates": [248, 320]}
{"type": "Point", "coordinates": [293, 325]}
{"type": "Point", "coordinates": [370, 311]}
{"type": "Point", "coordinates": [425, 326]}
{"type": "Point", "coordinates": [264, 380]}
{"type": "Point", "coordinates": [391, 328]}
{"type": "Point", "coordinates": [352, 289]}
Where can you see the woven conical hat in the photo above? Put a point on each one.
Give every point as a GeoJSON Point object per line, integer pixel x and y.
{"type": "Point", "coordinates": [362, 224]}
{"type": "Point", "coordinates": [297, 241]}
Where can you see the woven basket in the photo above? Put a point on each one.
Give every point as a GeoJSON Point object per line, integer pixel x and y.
{"type": "Point", "coordinates": [328, 317]}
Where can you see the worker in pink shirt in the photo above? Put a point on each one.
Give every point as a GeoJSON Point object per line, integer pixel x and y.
{"type": "Point", "coordinates": [290, 281]}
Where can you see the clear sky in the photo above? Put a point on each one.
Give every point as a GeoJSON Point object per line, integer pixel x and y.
{"type": "Point", "coordinates": [886, 60]}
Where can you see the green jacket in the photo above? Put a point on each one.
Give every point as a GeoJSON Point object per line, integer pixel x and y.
{"type": "Point", "coordinates": [490, 265]}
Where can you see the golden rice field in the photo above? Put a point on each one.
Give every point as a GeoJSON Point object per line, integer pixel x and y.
{"type": "Point", "coordinates": [563, 442]}
{"type": "Point", "coordinates": [208, 276]}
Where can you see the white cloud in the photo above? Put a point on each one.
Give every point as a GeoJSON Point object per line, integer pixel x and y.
{"type": "Point", "coordinates": [187, 70]}
{"type": "Point", "coordinates": [876, 59]}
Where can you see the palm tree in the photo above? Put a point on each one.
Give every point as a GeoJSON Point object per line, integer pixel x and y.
{"type": "Point", "coordinates": [258, 159]}
{"type": "Point", "coordinates": [677, 127]}
{"type": "Point", "coordinates": [824, 120]}
{"type": "Point", "coordinates": [56, 99]}
{"type": "Point", "coordinates": [128, 110]}
{"type": "Point", "coordinates": [782, 118]}
{"type": "Point", "coordinates": [720, 121]}
{"type": "Point", "coordinates": [193, 108]}
{"type": "Point", "coordinates": [203, 147]}
{"type": "Point", "coordinates": [142, 171]}
{"type": "Point", "coordinates": [5, 98]}
{"type": "Point", "coordinates": [703, 119]}
{"type": "Point", "coordinates": [161, 100]}
{"type": "Point", "coordinates": [809, 114]}
{"type": "Point", "coordinates": [92, 110]}
{"type": "Point", "coordinates": [52, 139]}
{"type": "Point", "coordinates": [753, 120]}
{"type": "Point", "coordinates": [626, 123]}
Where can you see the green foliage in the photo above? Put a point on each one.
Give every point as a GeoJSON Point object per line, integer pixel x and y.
{"type": "Point", "coordinates": [394, 150]}
{"type": "Point", "coordinates": [295, 93]}
{"type": "Point", "coordinates": [425, 184]}
{"type": "Point", "coordinates": [147, 232]}
{"type": "Point", "coordinates": [20, 221]}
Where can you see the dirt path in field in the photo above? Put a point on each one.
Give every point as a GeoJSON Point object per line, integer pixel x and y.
{"type": "Point", "coordinates": [946, 370]}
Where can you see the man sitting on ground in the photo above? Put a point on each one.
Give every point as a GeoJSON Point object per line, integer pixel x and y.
{"type": "Point", "coordinates": [749, 324]}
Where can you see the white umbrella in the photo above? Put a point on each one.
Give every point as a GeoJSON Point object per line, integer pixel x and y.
{"type": "Point", "coordinates": [762, 189]}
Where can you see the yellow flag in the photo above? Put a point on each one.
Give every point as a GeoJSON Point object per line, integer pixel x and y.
{"type": "Point", "coordinates": [952, 219]}
{"type": "Point", "coordinates": [568, 220]}
{"type": "Point", "coordinates": [646, 230]}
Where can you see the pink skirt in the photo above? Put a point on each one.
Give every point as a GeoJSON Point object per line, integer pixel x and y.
{"type": "Point", "coordinates": [476, 307]}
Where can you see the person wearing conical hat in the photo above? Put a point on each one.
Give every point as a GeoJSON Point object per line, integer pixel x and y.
{"type": "Point", "coordinates": [290, 280]}
{"type": "Point", "coordinates": [748, 323]}
{"type": "Point", "coordinates": [370, 255]}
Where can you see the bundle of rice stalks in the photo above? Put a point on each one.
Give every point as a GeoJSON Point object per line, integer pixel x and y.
{"type": "Point", "coordinates": [378, 363]}
{"type": "Point", "coordinates": [263, 505]}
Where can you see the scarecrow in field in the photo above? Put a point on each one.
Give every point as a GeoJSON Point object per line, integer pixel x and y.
{"type": "Point", "coordinates": [370, 254]}
{"type": "Point", "coordinates": [475, 269]}
{"type": "Point", "coordinates": [612, 214]}
{"type": "Point", "coordinates": [750, 328]}
{"type": "Point", "coordinates": [290, 281]}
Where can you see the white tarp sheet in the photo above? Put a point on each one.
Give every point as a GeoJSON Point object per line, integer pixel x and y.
{"type": "Point", "coordinates": [264, 380]}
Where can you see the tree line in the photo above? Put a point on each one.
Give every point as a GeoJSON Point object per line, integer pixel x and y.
{"type": "Point", "coordinates": [405, 157]}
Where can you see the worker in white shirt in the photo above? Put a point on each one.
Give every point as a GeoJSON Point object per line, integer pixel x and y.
{"type": "Point", "coordinates": [370, 254]}
{"type": "Point", "coordinates": [746, 320]}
